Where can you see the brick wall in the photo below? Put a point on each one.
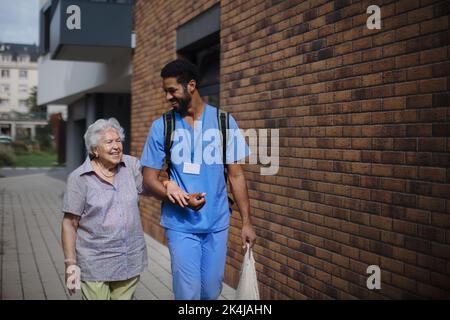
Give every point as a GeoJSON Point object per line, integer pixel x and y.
{"type": "Point", "coordinates": [364, 123]}
{"type": "Point", "coordinates": [155, 28]}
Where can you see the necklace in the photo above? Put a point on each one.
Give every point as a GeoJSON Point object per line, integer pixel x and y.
{"type": "Point", "coordinates": [102, 172]}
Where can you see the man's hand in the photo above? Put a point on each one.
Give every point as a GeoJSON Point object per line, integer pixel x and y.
{"type": "Point", "coordinates": [248, 235]}
{"type": "Point", "coordinates": [196, 201]}
{"type": "Point", "coordinates": [176, 194]}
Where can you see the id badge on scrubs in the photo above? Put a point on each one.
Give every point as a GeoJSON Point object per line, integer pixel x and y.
{"type": "Point", "coordinates": [191, 168]}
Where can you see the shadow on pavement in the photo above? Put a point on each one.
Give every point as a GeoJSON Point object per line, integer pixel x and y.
{"type": "Point", "coordinates": [59, 173]}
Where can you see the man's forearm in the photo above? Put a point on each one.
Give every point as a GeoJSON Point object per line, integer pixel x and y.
{"type": "Point", "coordinates": [240, 194]}
{"type": "Point", "coordinates": [157, 189]}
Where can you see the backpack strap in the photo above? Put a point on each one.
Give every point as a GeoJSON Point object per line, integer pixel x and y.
{"type": "Point", "coordinates": [223, 120]}
{"type": "Point", "coordinates": [169, 126]}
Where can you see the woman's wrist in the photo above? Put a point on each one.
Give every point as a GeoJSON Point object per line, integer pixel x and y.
{"type": "Point", "coordinates": [70, 261]}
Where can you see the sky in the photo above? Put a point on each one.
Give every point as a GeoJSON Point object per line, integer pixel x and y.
{"type": "Point", "coordinates": [19, 21]}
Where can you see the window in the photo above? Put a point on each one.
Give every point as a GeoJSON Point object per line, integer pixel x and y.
{"type": "Point", "coordinates": [5, 129]}
{"type": "Point", "coordinates": [23, 58]}
{"type": "Point", "coordinates": [4, 88]}
{"type": "Point", "coordinates": [208, 62]}
{"type": "Point", "coordinates": [23, 88]}
{"type": "Point", "coordinates": [5, 73]}
{"type": "Point", "coordinates": [22, 103]}
{"type": "Point", "coordinates": [23, 132]}
{"type": "Point", "coordinates": [23, 74]}
{"type": "Point", "coordinates": [44, 29]}
{"type": "Point", "coordinates": [198, 40]}
{"type": "Point", "coordinates": [4, 102]}
{"type": "Point", "coordinates": [6, 57]}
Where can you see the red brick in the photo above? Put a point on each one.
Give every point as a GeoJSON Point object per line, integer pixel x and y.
{"type": "Point", "coordinates": [408, 172]}
{"type": "Point", "coordinates": [431, 233]}
{"type": "Point", "coordinates": [405, 88]}
{"type": "Point", "coordinates": [422, 101]}
{"type": "Point", "coordinates": [404, 255]}
{"type": "Point", "coordinates": [382, 170]}
{"type": "Point", "coordinates": [429, 203]}
{"type": "Point", "coordinates": [432, 174]}
{"type": "Point", "coordinates": [392, 265]}
{"type": "Point", "coordinates": [382, 143]}
{"type": "Point", "coordinates": [431, 263]}
{"type": "Point", "coordinates": [441, 130]}
{"type": "Point", "coordinates": [407, 60]}
{"type": "Point", "coordinates": [432, 85]}
{"type": "Point", "coordinates": [418, 158]}
{"type": "Point", "coordinates": [420, 14]}
{"type": "Point", "coordinates": [404, 283]}
{"type": "Point", "coordinates": [433, 55]}
{"type": "Point", "coordinates": [364, 139]}
{"type": "Point", "coordinates": [441, 69]}
{"type": "Point", "coordinates": [431, 144]}
{"type": "Point", "coordinates": [405, 144]}
{"type": "Point", "coordinates": [393, 157]}
{"type": "Point", "coordinates": [407, 32]}
{"type": "Point", "coordinates": [421, 130]}
{"type": "Point", "coordinates": [393, 238]}
{"type": "Point", "coordinates": [405, 227]}
{"type": "Point", "coordinates": [434, 25]}
{"type": "Point", "coordinates": [440, 250]}
{"type": "Point", "coordinates": [393, 184]}
{"type": "Point", "coordinates": [394, 103]}
{"type": "Point", "coordinates": [417, 215]}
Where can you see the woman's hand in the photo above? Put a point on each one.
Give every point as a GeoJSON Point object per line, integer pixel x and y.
{"type": "Point", "coordinates": [69, 228]}
{"type": "Point", "coordinates": [175, 194]}
{"type": "Point", "coordinates": [72, 277]}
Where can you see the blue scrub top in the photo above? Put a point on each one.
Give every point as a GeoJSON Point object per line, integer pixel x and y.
{"type": "Point", "coordinates": [200, 147]}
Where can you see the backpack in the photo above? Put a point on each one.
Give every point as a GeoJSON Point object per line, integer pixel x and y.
{"type": "Point", "coordinates": [223, 120]}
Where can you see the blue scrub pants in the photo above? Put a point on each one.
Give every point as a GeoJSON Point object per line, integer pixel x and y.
{"type": "Point", "coordinates": [198, 263]}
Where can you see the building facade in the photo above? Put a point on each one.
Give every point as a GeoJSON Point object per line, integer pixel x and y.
{"type": "Point", "coordinates": [363, 117]}
{"type": "Point", "coordinates": [18, 77]}
{"type": "Point", "coordinates": [85, 63]}
{"type": "Point", "coordinates": [18, 80]}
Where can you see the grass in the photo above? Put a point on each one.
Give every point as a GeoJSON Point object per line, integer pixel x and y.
{"type": "Point", "coordinates": [36, 159]}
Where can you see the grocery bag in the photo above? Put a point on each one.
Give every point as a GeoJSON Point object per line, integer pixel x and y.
{"type": "Point", "coordinates": [248, 284]}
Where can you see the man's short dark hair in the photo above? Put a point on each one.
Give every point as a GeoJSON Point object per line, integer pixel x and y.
{"type": "Point", "coordinates": [183, 70]}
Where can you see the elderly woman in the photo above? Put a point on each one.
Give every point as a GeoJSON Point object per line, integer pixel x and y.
{"type": "Point", "coordinates": [102, 234]}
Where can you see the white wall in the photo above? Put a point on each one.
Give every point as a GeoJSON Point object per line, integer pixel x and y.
{"type": "Point", "coordinates": [63, 82]}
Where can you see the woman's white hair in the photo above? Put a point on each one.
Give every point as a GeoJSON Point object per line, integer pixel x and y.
{"type": "Point", "coordinates": [97, 129]}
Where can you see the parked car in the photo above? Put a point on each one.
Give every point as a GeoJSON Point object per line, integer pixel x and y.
{"type": "Point", "coordinates": [5, 140]}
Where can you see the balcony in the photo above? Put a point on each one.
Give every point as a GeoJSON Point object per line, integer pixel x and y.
{"type": "Point", "coordinates": [92, 31]}
{"type": "Point", "coordinates": [30, 116]}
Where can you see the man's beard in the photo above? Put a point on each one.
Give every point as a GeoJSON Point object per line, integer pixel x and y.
{"type": "Point", "coordinates": [183, 103]}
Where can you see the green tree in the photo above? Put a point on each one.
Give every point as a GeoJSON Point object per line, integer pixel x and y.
{"type": "Point", "coordinates": [32, 102]}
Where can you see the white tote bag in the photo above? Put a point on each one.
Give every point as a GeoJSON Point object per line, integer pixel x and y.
{"type": "Point", "coordinates": [248, 284]}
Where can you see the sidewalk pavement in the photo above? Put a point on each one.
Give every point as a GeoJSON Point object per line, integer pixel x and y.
{"type": "Point", "coordinates": [31, 257]}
